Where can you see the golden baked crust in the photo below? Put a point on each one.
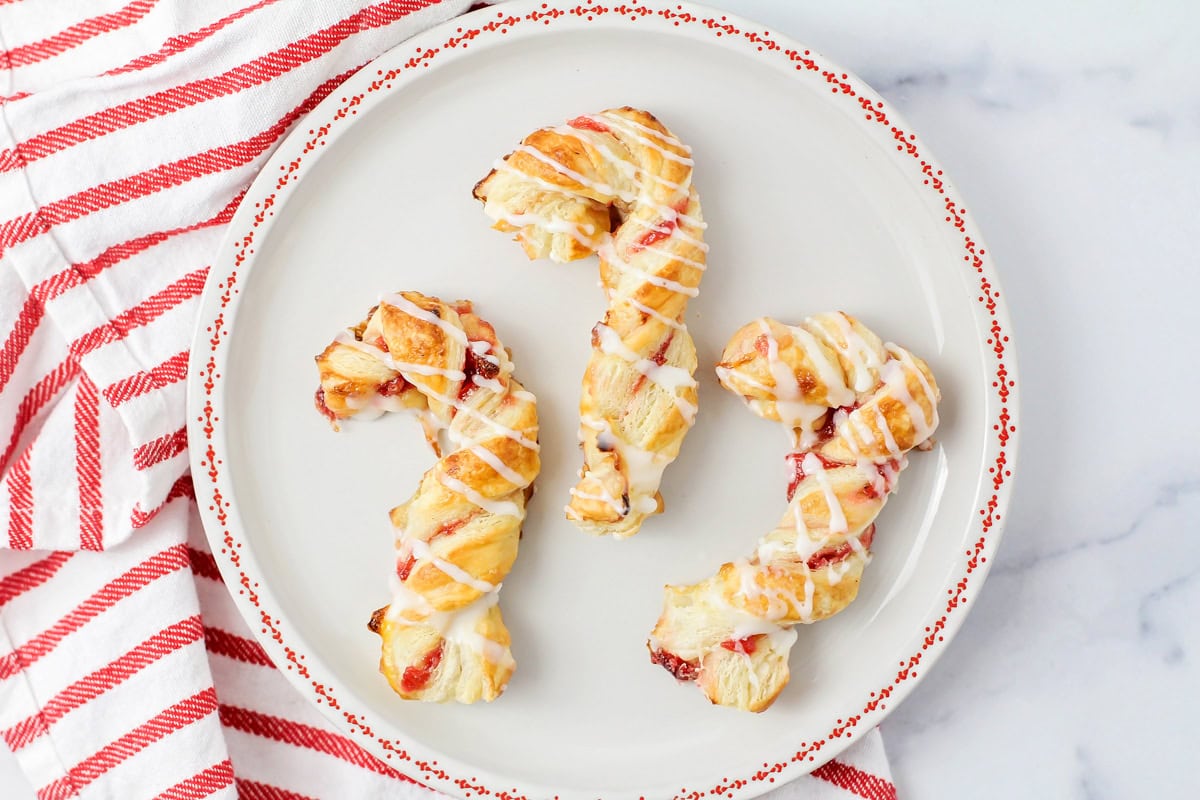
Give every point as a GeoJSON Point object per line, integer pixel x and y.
{"type": "Point", "coordinates": [854, 406]}
{"type": "Point", "coordinates": [560, 192]}
{"type": "Point", "coordinates": [456, 538]}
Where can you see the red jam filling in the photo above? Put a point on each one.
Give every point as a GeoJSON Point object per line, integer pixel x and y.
{"type": "Point", "coordinates": [762, 343]}
{"type": "Point", "coordinates": [416, 678]}
{"type": "Point", "coordinates": [892, 466]}
{"type": "Point", "coordinates": [479, 365]}
{"type": "Point", "coordinates": [393, 387]}
{"type": "Point", "coordinates": [657, 234]}
{"type": "Point", "coordinates": [798, 474]}
{"type": "Point", "coordinates": [381, 344]}
{"type": "Point", "coordinates": [868, 492]}
{"type": "Point", "coordinates": [661, 231]}
{"type": "Point", "coordinates": [829, 429]}
{"type": "Point", "coordinates": [319, 402]}
{"type": "Point", "coordinates": [450, 527]}
{"type": "Point", "coordinates": [682, 670]}
{"type": "Point", "coordinates": [658, 357]}
{"type": "Point", "coordinates": [404, 568]}
{"type": "Point", "coordinates": [746, 645]}
{"type": "Point", "coordinates": [588, 124]}
{"type": "Point", "coordinates": [831, 555]}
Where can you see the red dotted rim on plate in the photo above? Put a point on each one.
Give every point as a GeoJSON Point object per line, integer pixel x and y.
{"type": "Point", "coordinates": [719, 26]}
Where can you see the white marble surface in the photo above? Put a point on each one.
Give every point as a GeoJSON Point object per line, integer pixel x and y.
{"type": "Point", "coordinates": [1073, 131]}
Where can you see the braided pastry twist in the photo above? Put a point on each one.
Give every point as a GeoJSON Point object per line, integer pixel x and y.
{"type": "Point", "coordinates": [561, 192]}
{"type": "Point", "coordinates": [854, 407]}
{"type": "Point", "coordinates": [456, 538]}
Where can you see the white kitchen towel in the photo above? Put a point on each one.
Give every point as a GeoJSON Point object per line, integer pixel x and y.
{"type": "Point", "coordinates": [130, 131]}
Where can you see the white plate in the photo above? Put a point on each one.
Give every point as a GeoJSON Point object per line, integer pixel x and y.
{"type": "Point", "coordinates": [818, 198]}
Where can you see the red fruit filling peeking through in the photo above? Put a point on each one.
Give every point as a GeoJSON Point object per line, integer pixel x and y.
{"type": "Point", "coordinates": [404, 568]}
{"type": "Point", "coordinates": [416, 678]}
{"type": "Point", "coordinates": [658, 358]}
{"type": "Point", "coordinates": [831, 555]}
{"type": "Point", "coordinates": [475, 364]}
{"type": "Point", "coordinates": [682, 670]}
{"type": "Point", "coordinates": [588, 124]}
{"type": "Point", "coordinates": [393, 386]}
{"type": "Point", "coordinates": [796, 461]}
{"type": "Point", "coordinates": [746, 645]}
{"type": "Point", "coordinates": [319, 402]}
{"type": "Point", "coordinates": [662, 231]}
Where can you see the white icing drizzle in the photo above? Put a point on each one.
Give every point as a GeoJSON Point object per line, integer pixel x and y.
{"type": "Point", "coordinates": [686, 409]}
{"type": "Point", "coordinates": [896, 379]}
{"type": "Point", "coordinates": [664, 283]}
{"type": "Point", "coordinates": [347, 338]}
{"type": "Point", "coordinates": [495, 462]}
{"type": "Point", "coordinates": [793, 411]}
{"type": "Point", "coordinates": [502, 165]}
{"type": "Point", "coordinates": [857, 426]}
{"type": "Point", "coordinates": [609, 116]}
{"type": "Point", "coordinates": [927, 426]}
{"type": "Point", "coordinates": [661, 181]}
{"type": "Point", "coordinates": [797, 509]}
{"type": "Point", "coordinates": [423, 552]}
{"type": "Point", "coordinates": [747, 625]}
{"type": "Point", "coordinates": [889, 441]}
{"type": "Point", "coordinates": [581, 233]}
{"type": "Point", "coordinates": [629, 129]}
{"type": "Point", "coordinates": [643, 468]}
{"type": "Point", "coordinates": [375, 405]}
{"type": "Point", "coordinates": [460, 627]}
{"type": "Point", "coordinates": [401, 302]}
{"type": "Point", "coordinates": [780, 601]}
{"type": "Point", "coordinates": [668, 377]}
{"type": "Point", "coordinates": [669, 218]}
{"type": "Point", "coordinates": [837, 518]}
{"type": "Point", "coordinates": [405, 599]}
{"type": "Point", "coordinates": [599, 187]}
{"type": "Point", "coordinates": [724, 373]}
{"type": "Point", "coordinates": [463, 408]}
{"type": "Point", "coordinates": [501, 508]}
{"type": "Point", "coordinates": [650, 312]}
{"type": "Point", "coordinates": [837, 570]}
{"type": "Point", "coordinates": [658, 249]}
{"type": "Point", "coordinates": [606, 498]}
{"type": "Point", "coordinates": [669, 212]}
{"type": "Point", "coordinates": [828, 371]}
{"type": "Point", "coordinates": [491, 384]}
{"type": "Point", "coordinates": [457, 627]}
{"type": "Point", "coordinates": [597, 139]}
{"type": "Point", "coordinates": [861, 355]}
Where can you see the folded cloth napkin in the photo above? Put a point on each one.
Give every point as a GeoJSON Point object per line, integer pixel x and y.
{"type": "Point", "coordinates": [130, 131]}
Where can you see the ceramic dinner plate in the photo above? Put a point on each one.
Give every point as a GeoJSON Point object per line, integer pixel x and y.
{"type": "Point", "coordinates": [818, 197]}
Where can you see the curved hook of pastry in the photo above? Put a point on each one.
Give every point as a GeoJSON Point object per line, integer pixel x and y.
{"type": "Point", "coordinates": [561, 192]}
{"type": "Point", "coordinates": [456, 538]}
{"type": "Point", "coordinates": [854, 406]}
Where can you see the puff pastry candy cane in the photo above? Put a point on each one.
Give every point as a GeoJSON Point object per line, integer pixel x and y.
{"type": "Point", "coordinates": [456, 538]}
{"type": "Point", "coordinates": [561, 192]}
{"type": "Point", "coordinates": [854, 406]}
